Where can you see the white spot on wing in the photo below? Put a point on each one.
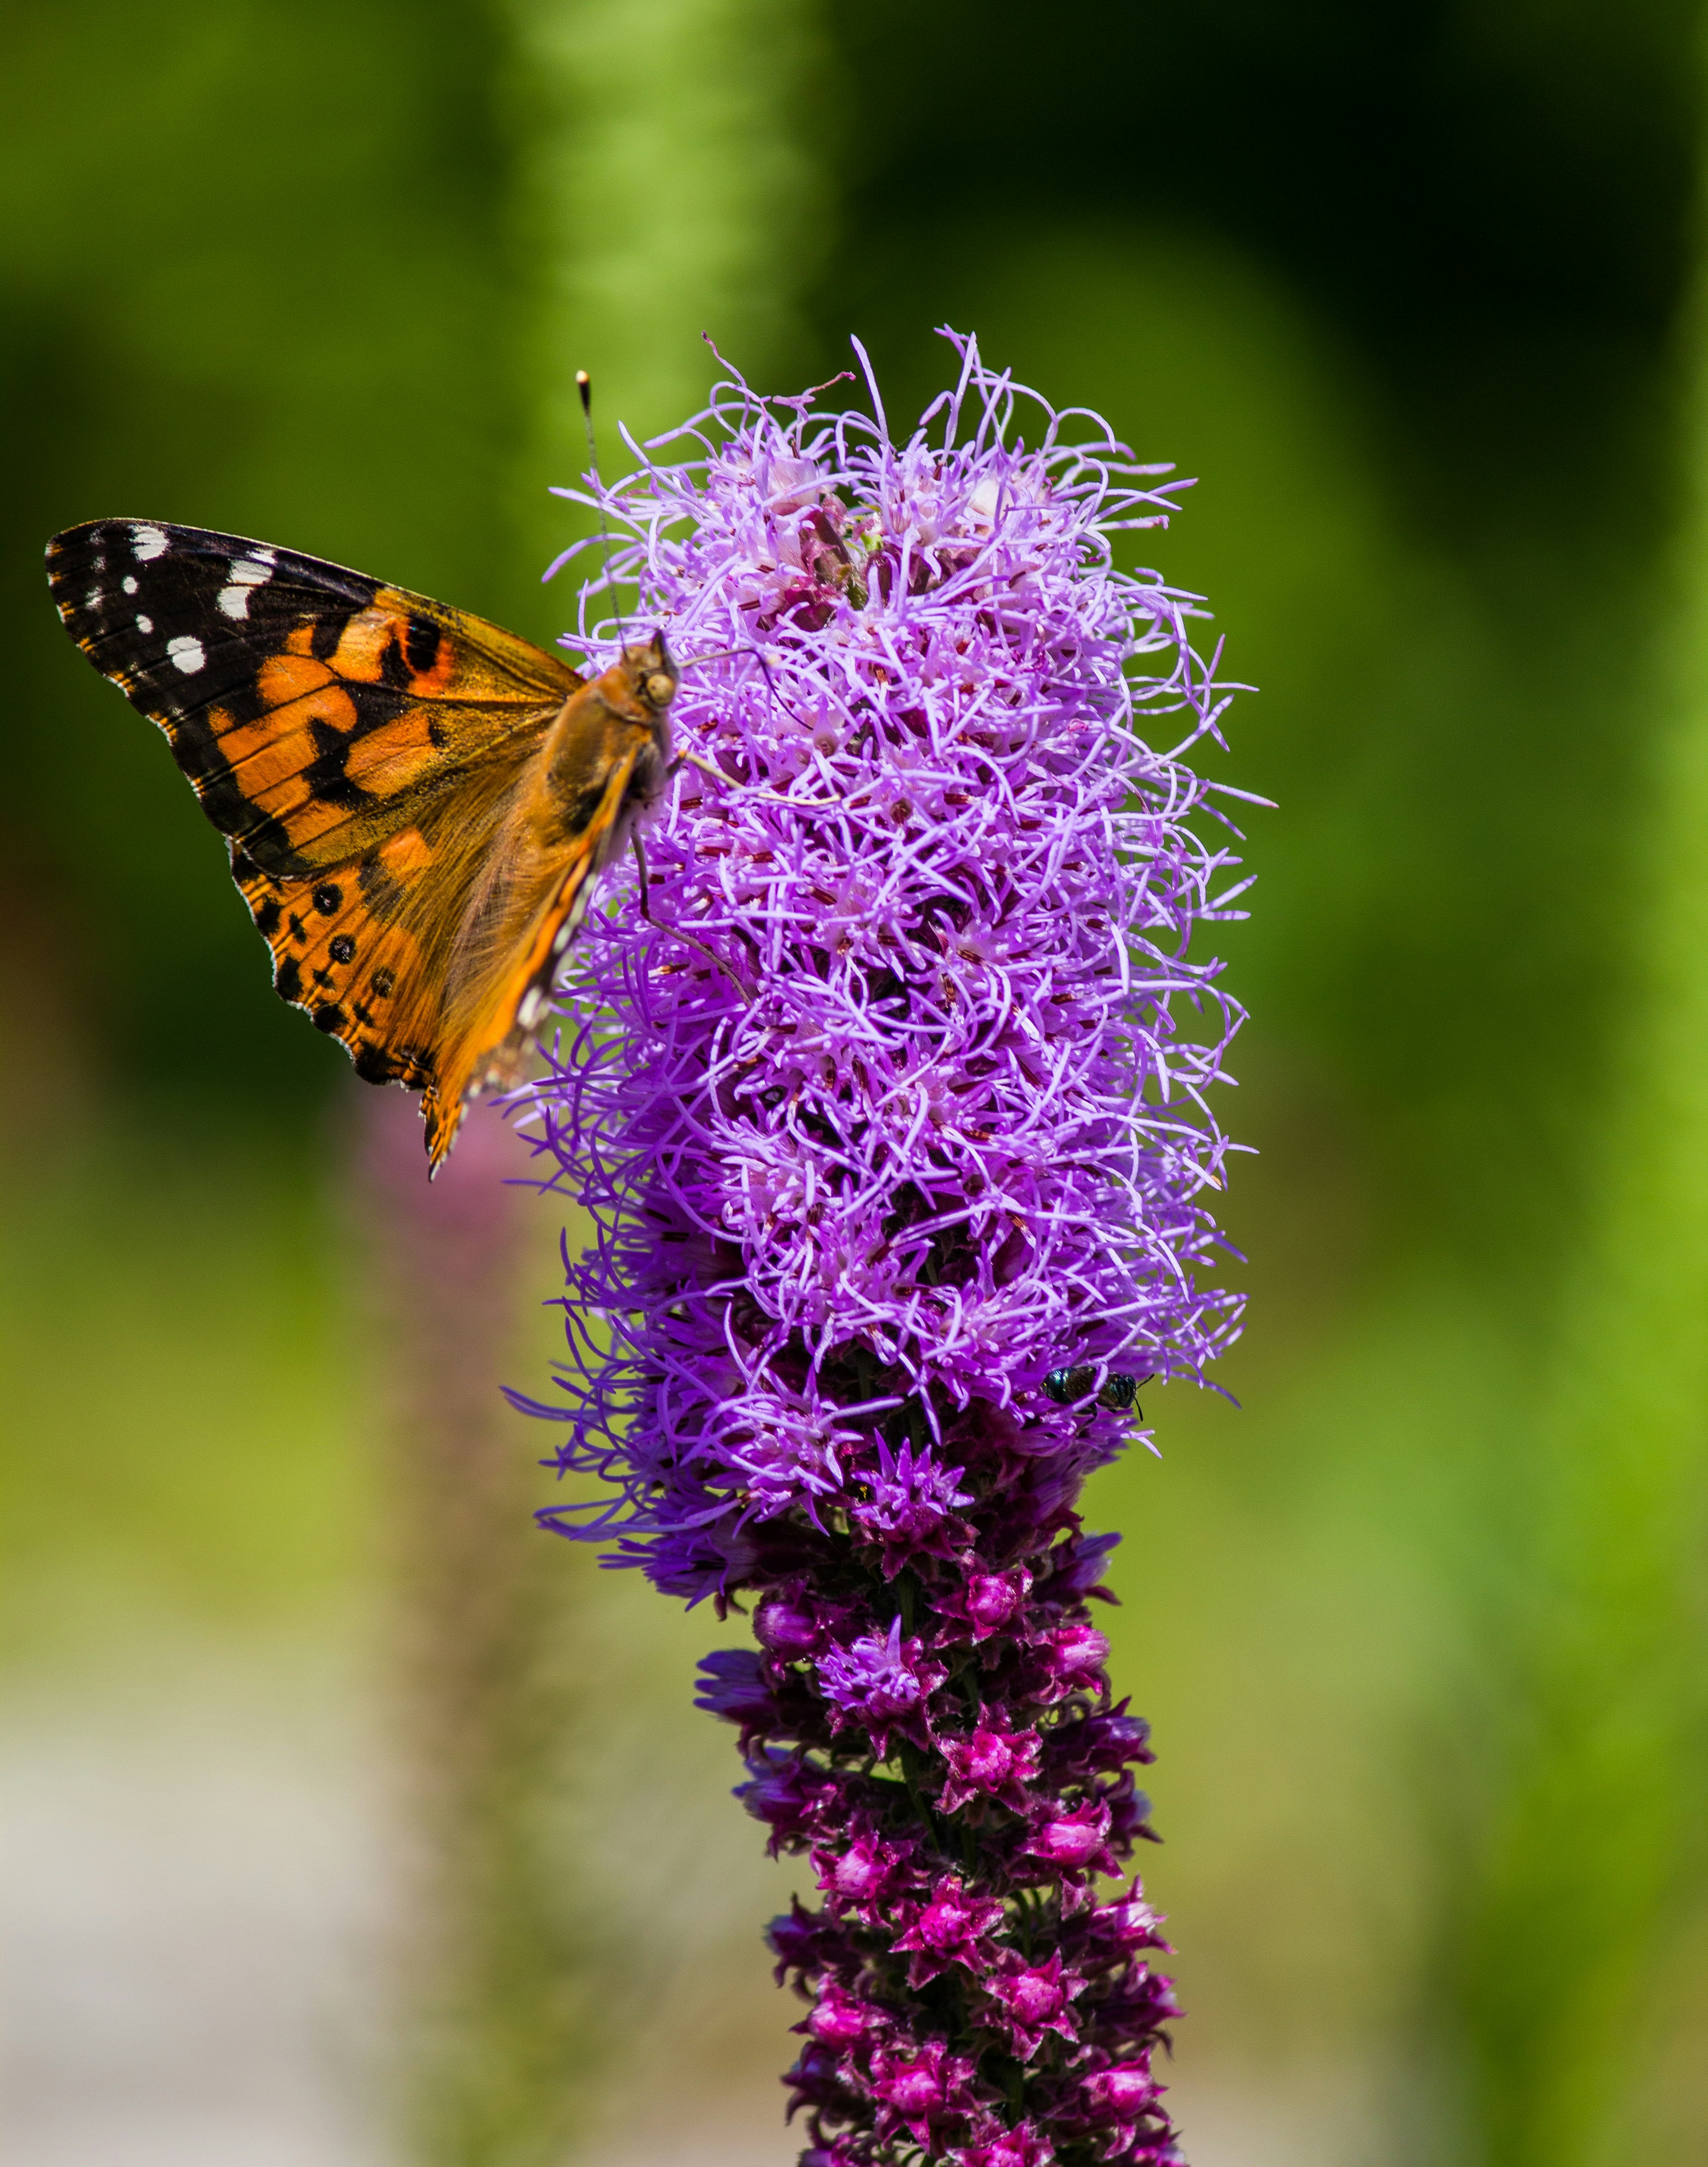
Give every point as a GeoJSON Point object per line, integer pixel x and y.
{"type": "Point", "coordinates": [129, 585]}
{"type": "Point", "coordinates": [92, 599]}
{"type": "Point", "coordinates": [145, 624]}
{"type": "Point", "coordinates": [247, 573]}
{"type": "Point", "coordinates": [187, 653]}
{"type": "Point", "coordinates": [147, 542]}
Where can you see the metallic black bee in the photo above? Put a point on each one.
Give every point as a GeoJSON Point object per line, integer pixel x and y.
{"type": "Point", "coordinates": [1118, 1392]}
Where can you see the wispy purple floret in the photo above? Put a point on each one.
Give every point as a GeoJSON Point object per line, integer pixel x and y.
{"type": "Point", "coordinates": [885, 1114]}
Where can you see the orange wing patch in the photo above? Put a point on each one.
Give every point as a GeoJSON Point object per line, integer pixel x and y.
{"type": "Point", "coordinates": [342, 962]}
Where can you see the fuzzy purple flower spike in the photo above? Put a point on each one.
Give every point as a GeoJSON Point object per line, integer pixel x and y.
{"type": "Point", "coordinates": [896, 1155]}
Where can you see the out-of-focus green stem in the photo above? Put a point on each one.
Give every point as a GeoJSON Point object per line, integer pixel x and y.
{"type": "Point", "coordinates": [1591, 1849]}
{"type": "Point", "coordinates": [670, 185]}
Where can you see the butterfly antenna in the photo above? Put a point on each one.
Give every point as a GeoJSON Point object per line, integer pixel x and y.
{"type": "Point", "coordinates": [583, 385]}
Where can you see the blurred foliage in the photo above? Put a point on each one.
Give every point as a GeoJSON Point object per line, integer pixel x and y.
{"type": "Point", "coordinates": [183, 1408]}
{"type": "Point", "coordinates": [1401, 286]}
{"type": "Point", "coordinates": [254, 278]}
{"type": "Point", "coordinates": [669, 182]}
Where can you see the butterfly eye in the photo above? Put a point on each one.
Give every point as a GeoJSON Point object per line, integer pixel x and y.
{"type": "Point", "coordinates": [660, 689]}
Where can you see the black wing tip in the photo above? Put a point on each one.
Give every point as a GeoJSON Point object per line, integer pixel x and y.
{"type": "Point", "coordinates": [147, 539]}
{"type": "Point", "coordinates": [69, 553]}
{"type": "Point", "coordinates": [102, 530]}
{"type": "Point", "coordinates": [58, 544]}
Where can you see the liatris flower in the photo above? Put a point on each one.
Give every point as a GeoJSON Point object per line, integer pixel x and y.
{"type": "Point", "coordinates": [896, 1157]}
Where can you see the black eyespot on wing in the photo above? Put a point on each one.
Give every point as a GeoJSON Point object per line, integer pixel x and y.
{"type": "Point", "coordinates": [268, 913]}
{"type": "Point", "coordinates": [373, 1065]}
{"type": "Point", "coordinates": [393, 666]}
{"type": "Point", "coordinates": [326, 774]}
{"type": "Point", "coordinates": [323, 640]}
{"type": "Point", "coordinates": [422, 644]}
{"type": "Point", "coordinates": [330, 1017]}
{"type": "Point", "coordinates": [384, 983]}
{"type": "Point", "coordinates": [287, 980]}
{"type": "Point", "coordinates": [329, 898]}
{"type": "Point", "coordinates": [341, 948]}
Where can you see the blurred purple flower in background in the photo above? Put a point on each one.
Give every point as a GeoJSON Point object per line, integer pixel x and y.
{"type": "Point", "coordinates": [897, 1166]}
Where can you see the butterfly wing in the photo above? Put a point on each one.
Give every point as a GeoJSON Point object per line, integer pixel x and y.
{"type": "Point", "coordinates": [361, 748]}
{"type": "Point", "coordinates": [526, 902]}
{"type": "Point", "coordinates": [312, 708]}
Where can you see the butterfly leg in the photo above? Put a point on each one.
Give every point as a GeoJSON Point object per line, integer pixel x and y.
{"type": "Point", "coordinates": [746, 789]}
{"type": "Point", "coordinates": [676, 932]}
{"type": "Point", "coordinates": [706, 766]}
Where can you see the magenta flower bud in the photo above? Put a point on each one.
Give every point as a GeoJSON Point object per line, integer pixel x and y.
{"type": "Point", "coordinates": [889, 1103]}
{"type": "Point", "coordinates": [839, 2020]}
{"type": "Point", "coordinates": [860, 1875]}
{"type": "Point", "coordinates": [1074, 1839]}
{"type": "Point", "coordinates": [800, 1940]}
{"type": "Point", "coordinates": [787, 1791]}
{"type": "Point", "coordinates": [734, 1688]}
{"type": "Point", "coordinates": [1023, 2146]}
{"type": "Point", "coordinates": [1074, 1657]}
{"type": "Point", "coordinates": [913, 2090]}
{"type": "Point", "coordinates": [950, 1929]}
{"type": "Point", "coordinates": [1034, 1999]}
{"type": "Point", "coordinates": [1122, 2093]}
{"type": "Point", "coordinates": [1129, 1813]}
{"type": "Point", "coordinates": [788, 1630]}
{"type": "Point", "coordinates": [992, 1764]}
{"type": "Point", "coordinates": [880, 1683]}
{"type": "Point", "coordinates": [1139, 1999]}
{"type": "Point", "coordinates": [816, 2079]}
{"type": "Point", "coordinates": [1081, 1575]}
{"type": "Point", "coordinates": [1127, 1925]}
{"type": "Point", "coordinates": [909, 1506]}
{"type": "Point", "coordinates": [992, 1598]}
{"type": "Point", "coordinates": [1037, 1996]}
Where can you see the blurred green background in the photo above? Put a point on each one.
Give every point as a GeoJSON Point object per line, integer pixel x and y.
{"type": "Point", "coordinates": [1409, 288]}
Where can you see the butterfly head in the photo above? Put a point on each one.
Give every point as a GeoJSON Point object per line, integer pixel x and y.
{"type": "Point", "coordinates": [643, 681]}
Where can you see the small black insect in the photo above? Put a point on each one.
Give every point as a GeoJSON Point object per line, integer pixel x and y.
{"type": "Point", "coordinates": [1118, 1392]}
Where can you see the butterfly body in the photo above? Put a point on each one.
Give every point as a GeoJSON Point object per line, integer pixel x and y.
{"type": "Point", "coordinates": [417, 804]}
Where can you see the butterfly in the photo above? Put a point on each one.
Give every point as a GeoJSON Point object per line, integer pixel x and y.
{"type": "Point", "coordinates": [417, 804]}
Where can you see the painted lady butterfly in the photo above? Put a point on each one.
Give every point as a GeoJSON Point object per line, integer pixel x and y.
{"type": "Point", "coordinates": [417, 804]}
